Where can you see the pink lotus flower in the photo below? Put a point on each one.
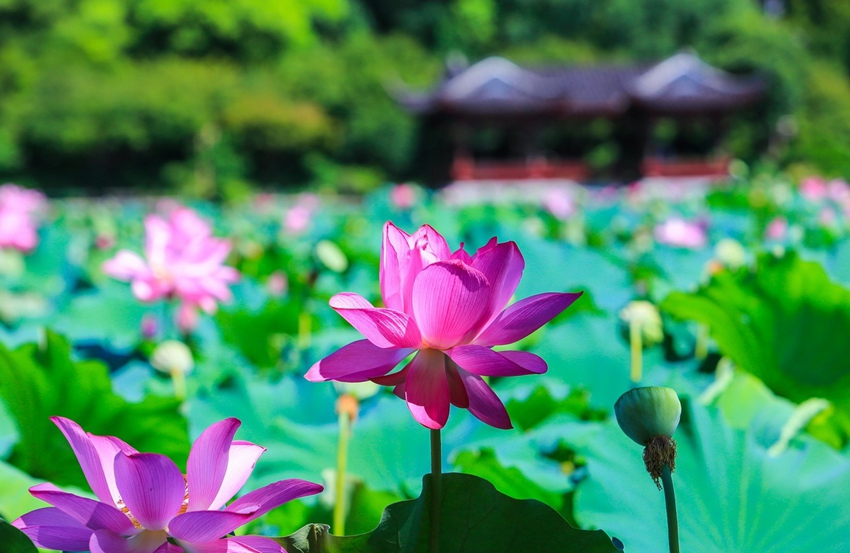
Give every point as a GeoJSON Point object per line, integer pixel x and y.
{"type": "Point", "coordinates": [403, 196]}
{"type": "Point", "coordinates": [449, 308]}
{"type": "Point", "coordinates": [298, 217]}
{"type": "Point", "coordinates": [18, 208]}
{"type": "Point", "coordinates": [814, 189]}
{"type": "Point", "coordinates": [680, 233]}
{"type": "Point", "coordinates": [559, 203]}
{"type": "Point", "coordinates": [777, 228]}
{"type": "Point", "coordinates": [183, 260]}
{"type": "Point", "coordinates": [143, 500]}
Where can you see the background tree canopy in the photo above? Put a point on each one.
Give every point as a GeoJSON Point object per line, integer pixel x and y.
{"type": "Point", "coordinates": [222, 94]}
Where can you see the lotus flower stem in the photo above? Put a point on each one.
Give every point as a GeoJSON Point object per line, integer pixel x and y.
{"type": "Point", "coordinates": [304, 324]}
{"type": "Point", "coordinates": [436, 490]}
{"type": "Point", "coordinates": [341, 468]}
{"type": "Point", "coordinates": [670, 503]}
{"type": "Point", "coordinates": [636, 348]}
{"type": "Point", "coordinates": [701, 348]}
{"type": "Point", "coordinates": [178, 377]}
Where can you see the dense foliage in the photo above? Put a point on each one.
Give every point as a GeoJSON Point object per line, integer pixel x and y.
{"type": "Point", "coordinates": [214, 96]}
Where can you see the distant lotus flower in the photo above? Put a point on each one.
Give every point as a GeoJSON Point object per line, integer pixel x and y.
{"type": "Point", "coordinates": [560, 204]}
{"type": "Point", "coordinates": [777, 228]}
{"type": "Point", "coordinates": [839, 191]}
{"type": "Point", "coordinates": [680, 233]}
{"type": "Point", "coordinates": [149, 326]}
{"type": "Point", "coordinates": [298, 217]}
{"type": "Point", "coordinates": [827, 217]}
{"type": "Point", "coordinates": [814, 189]}
{"type": "Point", "coordinates": [183, 261]}
{"type": "Point", "coordinates": [448, 308]}
{"type": "Point", "coordinates": [143, 500]}
{"type": "Point", "coordinates": [18, 209]}
{"type": "Point", "coordinates": [403, 195]}
{"type": "Point", "coordinates": [277, 284]}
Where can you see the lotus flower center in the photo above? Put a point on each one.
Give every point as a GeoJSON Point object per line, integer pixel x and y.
{"type": "Point", "coordinates": [160, 271]}
{"type": "Point", "coordinates": [126, 510]}
{"type": "Point", "coordinates": [184, 506]}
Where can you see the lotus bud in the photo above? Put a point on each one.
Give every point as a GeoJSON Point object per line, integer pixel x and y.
{"type": "Point", "coordinates": [730, 253]}
{"type": "Point", "coordinates": [647, 318]}
{"type": "Point", "coordinates": [649, 416]}
{"type": "Point", "coordinates": [331, 256]}
{"type": "Point", "coordinates": [172, 356]}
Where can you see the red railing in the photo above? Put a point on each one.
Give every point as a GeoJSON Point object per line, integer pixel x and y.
{"type": "Point", "coordinates": [470, 169]}
{"type": "Point", "coordinates": [660, 167]}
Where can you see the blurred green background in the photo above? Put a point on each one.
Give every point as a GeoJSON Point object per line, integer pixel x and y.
{"type": "Point", "coordinates": [224, 95]}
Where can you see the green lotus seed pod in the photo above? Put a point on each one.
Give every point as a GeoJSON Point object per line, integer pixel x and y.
{"type": "Point", "coordinates": [646, 413]}
{"type": "Point", "coordinates": [171, 356]}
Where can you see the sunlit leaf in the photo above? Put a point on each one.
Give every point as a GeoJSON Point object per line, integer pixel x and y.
{"type": "Point", "coordinates": [40, 381]}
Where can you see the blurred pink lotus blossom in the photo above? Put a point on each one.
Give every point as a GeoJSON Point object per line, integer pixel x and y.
{"type": "Point", "coordinates": [680, 233]}
{"type": "Point", "coordinates": [149, 326]}
{"type": "Point", "coordinates": [776, 229]}
{"type": "Point", "coordinates": [827, 217]}
{"type": "Point", "coordinates": [18, 210]}
{"type": "Point", "coordinates": [143, 500]}
{"type": "Point", "coordinates": [298, 217]}
{"type": "Point", "coordinates": [449, 309]}
{"type": "Point", "coordinates": [839, 191]}
{"type": "Point", "coordinates": [403, 196]}
{"type": "Point", "coordinates": [559, 203]}
{"type": "Point", "coordinates": [277, 284]}
{"type": "Point", "coordinates": [183, 261]}
{"type": "Point", "coordinates": [814, 189]}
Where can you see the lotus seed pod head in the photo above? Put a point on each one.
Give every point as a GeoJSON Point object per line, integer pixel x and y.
{"type": "Point", "coordinates": [731, 253]}
{"type": "Point", "coordinates": [645, 413]}
{"type": "Point", "coordinates": [172, 355]}
{"type": "Point", "coordinates": [648, 318]}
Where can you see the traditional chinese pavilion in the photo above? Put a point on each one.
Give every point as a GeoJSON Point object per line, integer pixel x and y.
{"type": "Point", "coordinates": [508, 122]}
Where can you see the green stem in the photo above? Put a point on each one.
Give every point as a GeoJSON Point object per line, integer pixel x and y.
{"type": "Point", "coordinates": [341, 467]}
{"type": "Point", "coordinates": [178, 377]}
{"type": "Point", "coordinates": [670, 504]}
{"type": "Point", "coordinates": [701, 348]}
{"type": "Point", "coordinates": [436, 490]}
{"type": "Point", "coordinates": [636, 349]}
{"type": "Point", "coordinates": [304, 325]}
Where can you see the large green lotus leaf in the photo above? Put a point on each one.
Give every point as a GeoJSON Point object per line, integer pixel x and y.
{"type": "Point", "coordinates": [13, 540]}
{"type": "Point", "coordinates": [37, 382]}
{"type": "Point", "coordinates": [261, 335]}
{"type": "Point", "coordinates": [15, 498]}
{"type": "Point", "coordinates": [555, 267]}
{"type": "Point", "coordinates": [732, 495]}
{"type": "Point", "coordinates": [508, 480]}
{"type": "Point", "coordinates": [295, 420]}
{"type": "Point", "coordinates": [474, 518]}
{"type": "Point", "coordinates": [681, 268]}
{"type": "Point", "coordinates": [111, 314]}
{"type": "Point", "coordinates": [586, 352]}
{"type": "Point", "coordinates": [784, 322]}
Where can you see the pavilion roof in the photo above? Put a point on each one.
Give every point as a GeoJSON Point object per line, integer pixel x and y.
{"type": "Point", "coordinates": [495, 86]}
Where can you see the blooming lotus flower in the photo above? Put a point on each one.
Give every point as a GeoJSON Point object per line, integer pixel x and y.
{"type": "Point", "coordinates": [298, 217]}
{"type": "Point", "coordinates": [143, 500]}
{"type": "Point", "coordinates": [403, 196]}
{"type": "Point", "coordinates": [680, 233]}
{"type": "Point", "coordinates": [814, 189]}
{"type": "Point", "coordinates": [777, 228]}
{"type": "Point", "coordinates": [18, 206]}
{"type": "Point", "coordinates": [183, 260]}
{"type": "Point", "coordinates": [449, 309]}
{"type": "Point", "coordinates": [559, 203]}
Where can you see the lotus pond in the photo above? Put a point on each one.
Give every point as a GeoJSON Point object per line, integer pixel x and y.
{"type": "Point", "coordinates": [735, 295]}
